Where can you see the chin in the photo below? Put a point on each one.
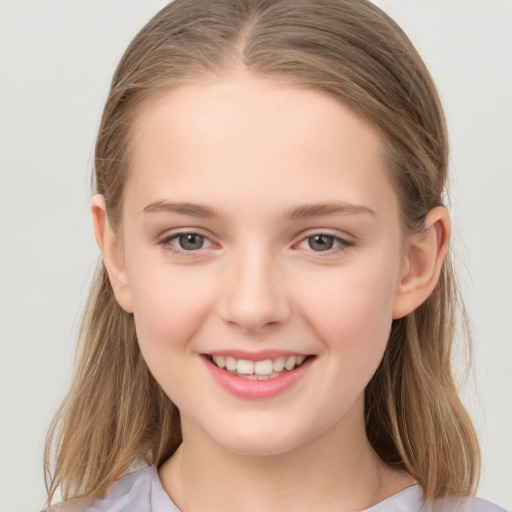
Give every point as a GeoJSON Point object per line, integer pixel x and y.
{"type": "Point", "coordinates": [261, 442]}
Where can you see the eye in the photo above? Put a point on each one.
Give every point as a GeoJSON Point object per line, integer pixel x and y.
{"type": "Point", "coordinates": [322, 242]}
{"type": "Point", "coordinates": [190, 241]}
{"type": "Point", "coordinates": [187, 242]}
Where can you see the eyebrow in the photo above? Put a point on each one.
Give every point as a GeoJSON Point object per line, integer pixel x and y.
{"type": "Point", "coordinates": [296, 213]}
{"type": "Point", "coordinates": [318, 210]}
{"type": "Point", "coordinates": [192, 209]}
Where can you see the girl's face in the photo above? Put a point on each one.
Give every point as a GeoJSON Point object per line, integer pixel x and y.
{"type": "Point", "coordinates": [259, 228]}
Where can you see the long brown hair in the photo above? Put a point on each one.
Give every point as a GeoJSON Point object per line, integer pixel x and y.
{"type": "Point", "coordinates": [115, 414]}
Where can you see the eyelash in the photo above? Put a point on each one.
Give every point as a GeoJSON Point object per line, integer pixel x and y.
{"type": "Point", "coordinates": [342, 244]}
{"type": "Point", "coordinates": [167, 245]}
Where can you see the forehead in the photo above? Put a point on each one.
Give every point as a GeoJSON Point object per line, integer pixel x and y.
{"type": "Point", "coordinates": [252, 137]}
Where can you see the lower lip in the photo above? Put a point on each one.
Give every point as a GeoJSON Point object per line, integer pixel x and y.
{"type": "Point", "coordinates": [257, 389]}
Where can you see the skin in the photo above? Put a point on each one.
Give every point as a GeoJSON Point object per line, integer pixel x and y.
{"type": "Point", "coordinates": [253, 150]}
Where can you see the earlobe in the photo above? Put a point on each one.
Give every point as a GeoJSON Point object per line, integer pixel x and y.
{"type": "Point", "coordinates": [111, 250]}
{"type": "Point", "coordinates": [423, 262]}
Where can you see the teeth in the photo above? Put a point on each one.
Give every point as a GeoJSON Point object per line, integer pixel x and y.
{"type": "Point", "coordinates": [230, 363]}
{"type": "Point", "coordinates": [244, 366]}
{"type": "Point", "coordinates": [259, 370]}
{"type": "Point", "coordinates": [290, 363]}
{"type": "Point", "coordinates": [220, 361]}
{"type": "Point", "coordinates": [279, 364]}
{"type": "Point", "coordinates": [263, 367]}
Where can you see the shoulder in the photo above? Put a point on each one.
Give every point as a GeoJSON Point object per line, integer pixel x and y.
{"type": "Point", "coordinates": [468, 505]}
{"type": "Point", "coordinates": [411, 500]}
{"type": "Point", "coordinates": [135, 492]}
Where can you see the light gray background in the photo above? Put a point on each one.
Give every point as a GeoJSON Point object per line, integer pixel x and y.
{"type": "Point", "coordinates": [56, 60]}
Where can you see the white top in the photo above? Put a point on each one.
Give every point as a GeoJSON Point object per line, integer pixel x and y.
{"type": "Point", "coordinates": [142, 492]}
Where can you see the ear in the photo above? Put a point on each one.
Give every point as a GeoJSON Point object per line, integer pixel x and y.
{"type": "Point", "coordinates": [112, 252]}
{"type": "Point", "coordinates": [423, 262]}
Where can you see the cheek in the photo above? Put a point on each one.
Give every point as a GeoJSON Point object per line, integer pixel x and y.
{"type": "Point", "coordinates": [352, 312]}
{"type": "Point", "coordinates": [169, 306]}
{"type": "Point", "coordinates": [169, 303]}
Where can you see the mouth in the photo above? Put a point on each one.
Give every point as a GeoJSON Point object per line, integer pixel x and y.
{"type": "Point", "coordinates": [265, 369]}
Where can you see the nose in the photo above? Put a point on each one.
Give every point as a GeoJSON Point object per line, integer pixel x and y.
{"type": "Point", "coordinates": [254, 296]}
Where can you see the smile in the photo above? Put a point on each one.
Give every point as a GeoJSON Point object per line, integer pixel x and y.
{"type": "Point", "coordinates": [261, 376]}
{"type": "Point", "coordinates": [258, 370]}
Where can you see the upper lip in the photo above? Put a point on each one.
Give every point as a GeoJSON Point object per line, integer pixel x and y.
{"type": "Point", "coordinates": [259, 355]}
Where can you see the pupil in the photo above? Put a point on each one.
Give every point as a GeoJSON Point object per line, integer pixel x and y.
{"type": "Point", "coordinates": [191, 241]}
{"type": "Point", "coordinates": [321, 242]}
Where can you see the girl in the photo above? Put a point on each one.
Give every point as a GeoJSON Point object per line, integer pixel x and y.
{"type": "Point", "coordinates": [270, 328]}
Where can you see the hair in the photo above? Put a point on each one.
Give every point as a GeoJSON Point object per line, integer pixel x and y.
{"type": "Point", "coordinates": [115, 414]}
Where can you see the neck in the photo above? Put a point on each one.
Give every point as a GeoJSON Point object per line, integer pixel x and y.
{"type": "Point", "coordinates": [339, 471]}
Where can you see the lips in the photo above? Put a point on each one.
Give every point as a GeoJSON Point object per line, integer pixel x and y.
{"type": "Point", "coordinates": [252, 376]}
